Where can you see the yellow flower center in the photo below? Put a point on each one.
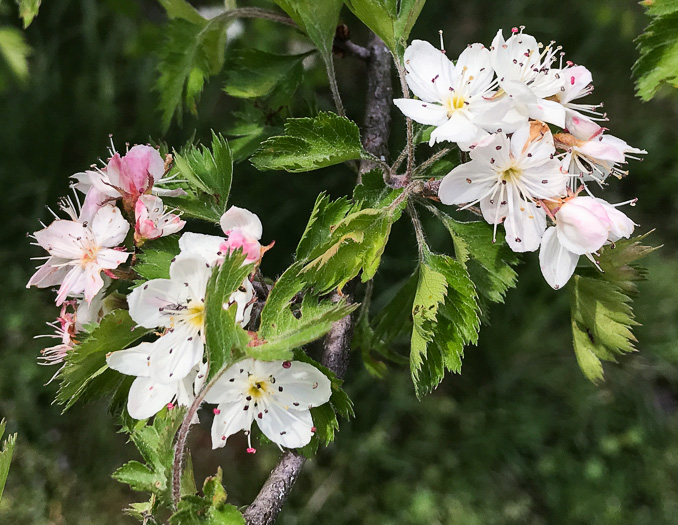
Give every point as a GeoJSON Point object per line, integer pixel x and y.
{"type": "Point", "coordinates": [511, 174]}
{"type": "Point", "coordinates": [258, 387]}
{"type": "Point", "coordinates": [195, 314]}
{"type": "Point", "coordinates": [453, 103]}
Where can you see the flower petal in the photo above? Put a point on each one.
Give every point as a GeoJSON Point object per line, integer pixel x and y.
{"type": "Point", "coordinates": [193, 271]}
{"type": "Point", "coordinates": [241, 219]}
{"type": "Point", "coordinates": [524, 224]}
{"type": "Point", "coordinates": [147, 398]}
{"type": "Point", "coordinates": [131, 362]}
{"type": "Point", "coordinates": [174, 355]}
{"type": "Point", "coordinates": [582, 225]}
{"type": "Point", "coordinates": [428, 71]}
{"type": "Point", "coordinates": [287, 428]}
{"type": "Point", "coordinates": [147, 302]}
{"type": "Point", "coordinates": [63, 238]}
{"type": "Point", "coordinates": [211, 247]}
{"type": "Point", "coordinates": [427, 113]}
{"type": "Point", "coordinates": [300, 383]}
{"type": "Point", "coordinates": [557, 263]}
{"type": "Point", "coordinates": [466, 183]}
{"type": "Point", "coordinates": [109, 227]}
{"type": "Point", "coordinates": [229, 419]}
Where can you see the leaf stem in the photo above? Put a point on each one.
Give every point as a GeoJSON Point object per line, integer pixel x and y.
{"type": "Point", "coordinates": [334, 87]}
{"type": "Point", "coordinates": [410, 134]}
{"type": "Point", "coordinates": [431, 160]}
{"type": "Point", "coordinates": [257, 12]}
{"type": "Point", "coordinates": [418, 229]}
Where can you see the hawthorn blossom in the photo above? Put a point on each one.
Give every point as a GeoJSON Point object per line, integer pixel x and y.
{"type": "Point", "coordinates": [153, 220]}
{"type": "Point", "coordinates": [583, 226]}
{"type": "Point", "coordinates": [148, 396]}
{"type": "Point", "coordinates": [243, 230]}
{"type": "Point", "coordinates": [525, 75]}
{"type": "Point", "coordinates": [456, 98]}
{"type": "Point", "coordinates": [65, 330]}
{"type": "Point", "coordinates": [80, 250]}
{"type": "Point", "coordinates": [591, 155]}
{"type": "Point", "coordinates": [277, 395]}
{"type": "Point", "coordinates": [506, 176]}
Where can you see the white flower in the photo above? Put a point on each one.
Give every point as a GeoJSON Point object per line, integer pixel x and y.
{"type": "Point", "coordinates": [146, 395]}
{"type": "Point", "coordinates": [524, 73]}
{"type": "Point", "coordinates": [153, 220]}
{"type": "Point", "coordinates": [277, 395]}
{"type": "Point", "coordinates": [583, 226]}
{"type": "Point", "coordinates": [591, 154]}
{"type": "Point", "coordinates": [506, 176]}
{"type": "Point", "coordinates": [458, 99]}
{"type": "Point", "coordinates": [80, 251]}
{"type": "Point", "coordinates": [243, 230]}
{"type": "Point", "coordinates": [177, 305]}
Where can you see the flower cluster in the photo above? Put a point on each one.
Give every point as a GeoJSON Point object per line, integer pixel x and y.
{"type": "Point", "coordinates": [93, 246]}
{"type": "Point", "coordinates": [497, 104]}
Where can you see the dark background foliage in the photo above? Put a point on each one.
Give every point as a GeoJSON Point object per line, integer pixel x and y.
{"type": "Point", "coordinates": [520, 437]}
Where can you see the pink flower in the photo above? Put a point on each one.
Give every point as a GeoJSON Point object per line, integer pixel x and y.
{"type": "Point", "coordinates": [79, 252]}
{"type": "Point", "coordinates": [152, 219]}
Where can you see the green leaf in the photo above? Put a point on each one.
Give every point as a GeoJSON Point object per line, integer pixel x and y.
{"type": "Point", "coordinates": [318, 20]}
{"type": "Point", "coordinates": [489, 262]}
{"type": "Point", "coordinates": [326, 213]}
{"type": "Point", "coordinates": [658, 47]}
{"type": "Point", "coordinates": [15, 51]}
{"type": "Point", "coordinates": [285, 326]}
{"type": "Point", "coordinates": [193, 51]}
{"type": "Point", "coordinates": [372, 191]}
{"type": "Point", "coordinates": [311, 143]}
{"type": "Point", "coordinates": [600, 305]}
{"type": "Point", "coordinates": [356, 243]}
{"type": "Point", "coordinates": [156, 445]}
{"type": "Point", "coordinates": [6, 452]}
{"type": "Point", "coordinates": [395, 319]}
{"type": "Point", "coordinates": [85, 370]}
{"type": "Point", "coordinates": [182, 9]}
{"type": "Point", "coordinates": [225, 339]}
{"type": "Point", "coordinates": [28, 10]}
{"type": "Point", "coordinates": [445, 316]}
{"type": "Point", "coordinates": [155, 259]}
{"type": "Point", "coordinates": [392, 20]}
{"type": "Point", "coordinates": [211, 509]}
{"type": "Point", "coordinates": [253, 73]}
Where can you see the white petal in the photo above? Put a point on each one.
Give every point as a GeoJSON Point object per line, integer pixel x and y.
{"type": "Point", "coordinates": [193, 272]}
{"type": "Point", "coordinates": [174, 355]}
{"type": "Point", "coordinates": [241, 219]}
{"type": "Point", "coordinates": [147, 302]}
{"type": "Point", "coordinates": [557, 263]}
{"type": "Point", "coordinates": [231, 418]}
{"type": "Point", "coordinates": [51, 273]}
{"type": "Point", "coordinates": [147, 398]}
{"type": "Point", "coordinates": [428, 71]}
{"type": "Point", "coordinates": [93, 281]}
{"type": "Point", "coordinates": [232, 384]}
{"type": "Point", "coordinates": [428, 113]}
{"type": "Point", "coordinates": [466, 183]}
{"type": "Point", "coordinates": [300, 383]}
{"type": "Point", "coordinates": [547, 111]}
{"type": "Point", "coordinates": [63, 238]}
{"type": "Point", "coordinates": [524, 224]}
{"type": "Point", "coordinates": [74, 283]}
{"type": "Point", "coordinates": [582, 225]}
{"type": "Point", "coordinates": [459, 128]}
{"type": "Point", "coordinates": [110, 259]}
{"type": "Point", "coordinates": [109, 227]}
{"type": "Point", "coordinates": [211, 247]}
{"type": "Point", "coordinates": [475, 65]}
{"type": "Point", "coordinates": [132, 362]}
{"type": "Point", "coordinates": [287, 428]}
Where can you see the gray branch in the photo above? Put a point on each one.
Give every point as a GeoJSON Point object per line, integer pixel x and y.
{"type": "Point", "coordinates": [267, 505]}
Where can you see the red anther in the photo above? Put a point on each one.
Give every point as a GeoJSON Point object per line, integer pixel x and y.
{"type": "Point", "coordinates": [251, 450]}
{"type": "Point", "coordinates": [313, 429]}
{"type": "Point", "coordinates": [287, 364]}
{"type": "Point", "coordinates": [216, 411]}
{"type": "Point", "coordinates": [170, 406]}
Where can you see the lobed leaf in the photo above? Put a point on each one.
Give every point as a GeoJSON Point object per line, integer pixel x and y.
{"type": "Point", "coordinates": [311, 143]}
{"type": "Point", "coordinates": [85, 370]}
{"type": "Point", "coordinates": [154, 260]}
{"type": "Point", "coordinates": [28, 10]}
{"type": "Point", "coordinates": [6, 452]}
{"type": "Point", "coordinates": [225, 338]}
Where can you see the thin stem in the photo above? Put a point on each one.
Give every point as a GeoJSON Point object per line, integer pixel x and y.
{"type": "Point", "coordinates": [408, 121]}
{"type": "Point", "coordinates": [332, 77]}
{"type": "Point", "coordinates": [431, 160]}
{"type": "Point", "coordinates": [399, 160]}
{"type": "Point", "coordinates": [418, 229]}
{"type": "Point", "coordinates": [257, 12]}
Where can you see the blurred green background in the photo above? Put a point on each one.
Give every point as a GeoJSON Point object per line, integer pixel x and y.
{"type": "Point", "coordinates": [521, 437]}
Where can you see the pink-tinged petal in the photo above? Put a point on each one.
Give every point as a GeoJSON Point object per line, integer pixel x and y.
{"type": "Point", "coordinates": [229, 419]}
{"type": "Point", "coordinates": [63, 238]}
{"type": "Point", "coordinates": [457, 129]}
{"type": "Point", "coordinates": [427, 113]}
{"type": "Point", "coordinates": [52, 273]}
{"type": "Point", "coordinates": [576, 79]}
{"type": "Point", "coordinates": [73, 283]}
{"type": "Point", "coordinates": [109, 227]}
{"type": "Point", "coordinates": [581, 127]}
{"type": "Point", "coordinates": [249, 245]}
{"type": "Point", "coordinates": [147, 398]}
{"type": "Point", "coordinates": [241, 219]}
{"type": "Point", "coordinates": [525, 224]}
{"type": "Point", "coordinates": [174, 354]}
{"type": "Point", "coordinates": [299, 383]}
{"type": "Point", "coordinates": [287, 428]}
{"type": "Point", "coordinates": [131, 362]}
{"type": "Point", "coordinates": [557, 263]}
{"type": "Point", "coordinates": [193, 272]}
{"type": "Point", "coordinates": [466, 183]}
{"type": "Point", "coordinates": [93, 202]}
{"type": "Point", "coordinates": [210, 247]}
{"type": "Point", "coordinates": [93, 281]}
{"type": "Point", "coordinates": [148, 301]}
{"type": "Point", "coordinates": [582, 225]}
{"type": "Point", "coordinates": [97, 180]}
{"type": "Point", "coordinates": [620, 225]}
{"type": "Point", "coordinates": [141, 166]}
{"type": "Point", "coordinates": [428, 71]}
{"type": "Point", "coordinates": [111, 259]}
